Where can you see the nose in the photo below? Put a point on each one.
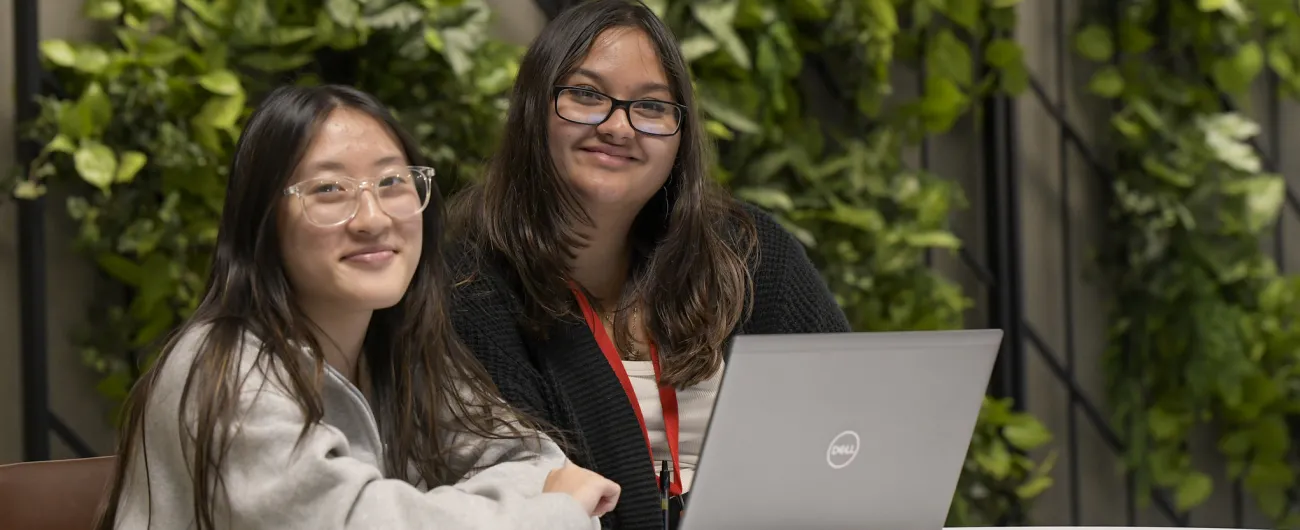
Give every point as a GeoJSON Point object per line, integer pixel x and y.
{"type": "Point", "coordinates": [618, 126]}
{"type": "Point", "coordinates": [370, 218]}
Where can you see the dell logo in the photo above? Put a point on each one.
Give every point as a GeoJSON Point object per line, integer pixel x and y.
{"type": "Point", "coordinates": [843, 449]}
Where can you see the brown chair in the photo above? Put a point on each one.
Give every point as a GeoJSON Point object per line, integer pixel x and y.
{"type": "Point", "coordinates": [55, 495]}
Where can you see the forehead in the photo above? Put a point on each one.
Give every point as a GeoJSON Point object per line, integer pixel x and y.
{"type": "Point", "coordinates": [625, 60]}
{"type": "Point", "coordinates": [352, 142]}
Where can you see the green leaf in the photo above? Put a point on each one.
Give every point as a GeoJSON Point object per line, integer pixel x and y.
{"type": "Point", "coordinates": [102, 10]}
{"type": "Point", "coordinates": [220, 112]}
{"type": "Point", "coordinates": [28, 190]}
{"type": "Point", "coordinates": [767, 198]}
{"type": "Point", "coordinates": [1263, 196]}
{"type": "Point", "coordinates": [1003, 53]}
{"type": "Point", "coordinates": [395, 17]}
{"type": "Point", "coordinates": [223, 82]}
{"type": "Point", "coordinates": [1003, 4]}
{"type": "Point", "coordinates": [95, 163]}
{"type": "Point", "coordinates": [964, 13]}
{"type": "Point", "coordinates": [732, 118]}
{"type": "Point", "coordinates": [131, 162]}
{"type": "Point", "coordinates": [1034, 487]}
{"type": "Point", "coordinates": [346, 13]}
{"type": "Point", "coordinates": [716, 129]}
{"type": "Point", "coordinates": [160, 51]}
{"type": "Point", "coordinates": [95, 107]}
{"type": "Point", "coordinates": [1107, 83]}
{"type": "Point", "coordinates": [996, 461]}
{"type": "Point", "coordinates": [948, 57]}
{"type": "Point", "coordinates": [164, 8]}
{"type": "Point", "coordinates": [942, 104]}
{"type": "Point", "coordinates": [1192, 490]}
{"type": "Point", "coordinates": [1234, 75]}
{"type": "Point", "coordinates": [1027, 434]}
{"type": "Point", "coordinates": [1094, 42]}
{"type": "Point", "coordinates": [717, 17]}
{"type": "Point", "coordinates": [121, 269]}
{"type": "Point", "coordinates": [1134, 39]}
{"type": "Point", "coordinates": [809, 9]}
{"type": "Point", "coordinates": [697, 46]}
{"type": "Point", "coordinates": [271, 62]}
{"type": "Point", "coordinates": [60, 144]}
{"type": "Point", "coordinates": [933, 239]}
{"type": "Point", "coordinates": [91, 60]}
{"type": "Point", "coordinates": [59, 52]}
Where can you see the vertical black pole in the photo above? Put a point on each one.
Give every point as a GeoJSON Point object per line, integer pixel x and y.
{"type": "Point", "coordinates": [1003, 226]}
{"type": "Point", "coordinates": [31, 244]}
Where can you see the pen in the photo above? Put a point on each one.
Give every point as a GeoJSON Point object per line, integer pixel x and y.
{"type": "Point", "coordinates": [665, 477]}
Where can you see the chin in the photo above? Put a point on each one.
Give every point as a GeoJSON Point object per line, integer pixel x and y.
{"type": "Point", "coordinates": [376, 303]}
{"type": "Point", "coordinates": [609, 189]}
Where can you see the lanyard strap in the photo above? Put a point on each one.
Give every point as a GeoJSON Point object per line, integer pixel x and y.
{"type": "Point", "coordinates": [667, 395]}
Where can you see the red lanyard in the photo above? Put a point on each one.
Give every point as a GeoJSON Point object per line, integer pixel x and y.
{"type": "Point", "coordinates": [667, 395]}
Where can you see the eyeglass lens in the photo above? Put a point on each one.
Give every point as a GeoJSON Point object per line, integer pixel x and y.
{"type": "Point", "coordinates": [330, 201]}
{"type": "Point", "coordinates": [590, 107]}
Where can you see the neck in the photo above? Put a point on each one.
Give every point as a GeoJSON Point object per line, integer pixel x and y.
{"type": "Point", "coordinates": [340, 335]}
{"type": "Point", "coordinates": [601, 266]}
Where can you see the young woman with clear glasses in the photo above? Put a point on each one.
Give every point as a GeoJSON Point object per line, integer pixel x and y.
{"type": "Point", "coordinates": [602, 272]}
{"type": "Point", "coordinates": [319, 384]}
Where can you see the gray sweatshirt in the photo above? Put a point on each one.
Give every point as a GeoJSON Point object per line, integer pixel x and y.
{"type": "Point", "coordinates": [334, 478]}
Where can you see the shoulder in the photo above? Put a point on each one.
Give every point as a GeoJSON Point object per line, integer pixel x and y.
{"type": "Point", "coordinates": [218, 348]}
{"type": "Point", "coordinates": [481, 293]}
{"type": "Point", "coordinates": [777, 250]}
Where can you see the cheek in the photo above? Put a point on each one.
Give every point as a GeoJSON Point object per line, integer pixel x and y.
{"type": "Point", "coordinates": [307, 252]}
{"type": "Point", "coordinates": [662, 155]}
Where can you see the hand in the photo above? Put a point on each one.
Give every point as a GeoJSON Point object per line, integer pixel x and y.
{"type": "Point", "coordinates": [595, 493]}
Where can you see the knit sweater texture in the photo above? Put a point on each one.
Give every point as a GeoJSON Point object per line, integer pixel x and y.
{"type": "Point", "coordinates": [565, 380]}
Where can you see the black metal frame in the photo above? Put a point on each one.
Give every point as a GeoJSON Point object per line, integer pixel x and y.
{"type": "Point", "coordinates": [38, 419]}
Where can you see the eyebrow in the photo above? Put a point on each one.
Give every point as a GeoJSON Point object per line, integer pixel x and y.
{"type": "Point", "coordinates": [331, 165]}
{"type": "Point", "coordinates": [643, 88]}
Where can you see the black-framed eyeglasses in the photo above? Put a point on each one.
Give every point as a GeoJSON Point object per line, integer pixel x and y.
{"type": "Point", "coordinates": [588, 107]}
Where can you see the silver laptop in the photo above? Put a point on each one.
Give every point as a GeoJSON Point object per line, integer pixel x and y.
{"type": "Point", "coordinates": [846, 430]}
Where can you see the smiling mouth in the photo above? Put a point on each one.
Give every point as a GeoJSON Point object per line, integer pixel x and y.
{"type": "Point", "coordinates": [608, 156]}
{"type": "Point", "coordinates": [370, 256]}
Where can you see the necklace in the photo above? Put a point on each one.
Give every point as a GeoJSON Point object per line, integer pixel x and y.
{"type": "Point", "coordinates": [633, 353]}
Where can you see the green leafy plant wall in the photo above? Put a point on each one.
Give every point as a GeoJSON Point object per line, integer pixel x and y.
{"type": "Point", "coordinates": [1204, 327]}
{"type": "Point", "coordinates": [148, 121]}
{"type": "Point", "coordinates": [840, 184]}
{"type": "Point", "coordinates": [143, 132]}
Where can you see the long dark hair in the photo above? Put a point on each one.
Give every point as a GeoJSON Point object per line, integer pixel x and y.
{"type": "Point", "coordinates": [418, 368]}
{"type": "Point", "coordinates": [691, 242]}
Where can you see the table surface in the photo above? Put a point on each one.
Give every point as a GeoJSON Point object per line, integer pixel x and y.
{"type": "Point", "coordinates": [1075, 528]}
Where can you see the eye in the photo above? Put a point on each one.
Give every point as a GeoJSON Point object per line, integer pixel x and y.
{"type": "Point", "coordinates": [325, 187]}
{"type": "Point", "coordinates": [393, 180]}
{"type": "Point", "coordinates": [587, 95]}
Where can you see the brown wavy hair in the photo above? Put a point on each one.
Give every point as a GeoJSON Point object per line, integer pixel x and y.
{"type": "Point", "coordinates": [418, 367]}
{"type": "Point", "coordinates": [691, 242]}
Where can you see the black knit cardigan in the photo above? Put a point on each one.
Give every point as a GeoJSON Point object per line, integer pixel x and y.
{"type": "Point", "coordinates": [565, 380]}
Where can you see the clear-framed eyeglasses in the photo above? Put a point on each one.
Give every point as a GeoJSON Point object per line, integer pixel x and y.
{"type": "Point", "coordinates": [332, 201]}
{"type": "Point", "coordinates": [589, 107]}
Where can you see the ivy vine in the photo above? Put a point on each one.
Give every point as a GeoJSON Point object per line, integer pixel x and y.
{"type": "Point", "coordinates": [1204, 327]}
{"type": "Point", "coordinates": [841, 185]}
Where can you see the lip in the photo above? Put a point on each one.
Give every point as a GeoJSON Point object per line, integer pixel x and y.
{"type": "Point", "coordinates": [609, 157]}
{"type": "Point", "coordinates": [372, 254]}
{"type": "Point", "coordinates": [610, 151]}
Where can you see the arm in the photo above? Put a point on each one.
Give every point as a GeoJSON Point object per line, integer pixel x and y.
{"type": "Point", "coordinates": [790, 294]}
{"type": "Point", "coordinates": [273, 482]}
